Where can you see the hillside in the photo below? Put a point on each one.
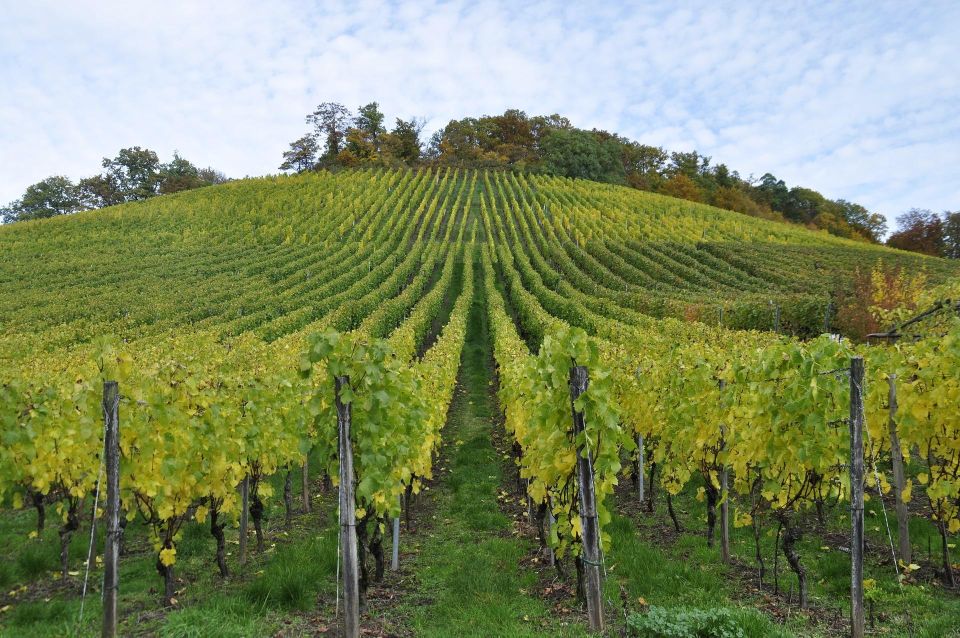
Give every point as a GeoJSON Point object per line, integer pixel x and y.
{"type": "Point", "coordinates": [259, 255]}
{"type": "Point", "coordinates": [452, 314]}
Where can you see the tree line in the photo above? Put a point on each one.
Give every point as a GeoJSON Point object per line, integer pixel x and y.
{"type": "Point", "coordinates": [134, 174]}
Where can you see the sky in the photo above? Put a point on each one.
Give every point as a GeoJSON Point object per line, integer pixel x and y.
{"type": "Point", "coordinates": [858, 100]}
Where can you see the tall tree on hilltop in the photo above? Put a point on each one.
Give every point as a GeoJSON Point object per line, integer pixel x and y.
{"type": "Point", "coordinates": [136, 173]}
{"type": "Point", "coordinates": [369, 120]}
{"type": "Point", "coordinates": [918, 230]}
{"type": "Point", "coordinates": [302, 155]}
{"type": "Point", "coordinates": [99, 191]}
{"type": "Point", "coordinates": [578, 153]}
{"type": "Point", "coordinates": [179, 175]}
{"type": "Point", "coordinates": [330, 121]}
{"type": "Point", "coordinates": [50, 197]}
{"type": "Point", "coordinates": [403, 142]}
{"type": "Point", "coordinates": [364, 138]}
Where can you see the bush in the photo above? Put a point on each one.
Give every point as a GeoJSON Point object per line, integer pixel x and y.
{"type": "Point", "coordinates": [685, 623]}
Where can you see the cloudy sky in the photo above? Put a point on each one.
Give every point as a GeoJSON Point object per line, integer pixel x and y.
{"type": "Point", "coordinates": [856, 100]}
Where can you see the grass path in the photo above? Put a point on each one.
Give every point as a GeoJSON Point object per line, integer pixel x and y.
{"type": "Point", "coordinates": [468, 563]}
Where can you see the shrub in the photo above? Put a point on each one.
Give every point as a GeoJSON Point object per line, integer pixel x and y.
{"type": "Point", "coordinates": [681, 622]}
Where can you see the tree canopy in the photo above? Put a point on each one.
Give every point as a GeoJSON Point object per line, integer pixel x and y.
{"type": "Point", "coordinates": [134, 174]}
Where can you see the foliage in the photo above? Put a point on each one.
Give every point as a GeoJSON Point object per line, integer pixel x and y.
{"type": "Point", "coordinates": [134, 174]}
{"type": "Point", "coordinates": [661, 622]}
{"type": "Point", "coordinates": [923, 231]}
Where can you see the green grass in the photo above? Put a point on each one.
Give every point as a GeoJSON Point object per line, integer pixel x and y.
{"type": "Point", "coordinates": [687, 572]}
{"type": "Point", "coordinates": [469, 581]}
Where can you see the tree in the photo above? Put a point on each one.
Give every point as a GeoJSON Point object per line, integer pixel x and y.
{"type": "Point", "coordinates": [771, 191]}
{"type": "Point", "coordinates": [403, 142]}
{"type": "Point", "coordinates": [871, 225]}
{"type": "Point", "coordinates": [179, 175]}
{"type": "Point", "coordinates": [736, 199]}
{"type": "Point", "coordinates": [682, 186]}
{"type": "Point", "coordinates": [691, 164]}
{"type": "Point", "coordinates": [369, 121]}
{"type": "Point", "coordinates": [212, 176]}
{"type": "Point", "coordinates": [951, 234]}
{"type": "Point", "coordinates": [302, 155]}
{"type": "Point", "coordinates": [919, 230]}
{"type": "Point", "coordinates": [578, 153]}
{"type": "Point", "coordinates": [99, 191]}
{"type": "Point", "coordinates": [330, 121]}
{"type": "Point", "coordinates": [50, 197]}
{"type": "Point", "coordinates": [136, 173]}
{"type": "Point", "coordinates": [645, 165]}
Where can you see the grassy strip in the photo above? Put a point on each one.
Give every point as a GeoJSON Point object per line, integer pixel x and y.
{"type": "Point", "coordinates": [469, 578]}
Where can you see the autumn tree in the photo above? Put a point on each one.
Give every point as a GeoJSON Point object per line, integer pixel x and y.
{"type": "Point", "coordinates": [951, 234]}
{"type": "Point", "coordinates": [919, 230]}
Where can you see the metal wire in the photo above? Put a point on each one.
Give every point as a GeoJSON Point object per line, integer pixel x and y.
{"type": "Point", "coordinates": [93, 525]}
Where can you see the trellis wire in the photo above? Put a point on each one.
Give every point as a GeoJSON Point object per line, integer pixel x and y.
{"type": "Point", "coordinates": [93, 528]}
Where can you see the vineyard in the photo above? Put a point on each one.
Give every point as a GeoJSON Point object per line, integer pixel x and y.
{"type": "Point", "coordinates": [581, 408]}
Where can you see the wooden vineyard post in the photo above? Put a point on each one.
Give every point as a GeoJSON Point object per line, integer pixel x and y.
{"type": "Point", "coordinates": [579, 380]}
{"type": "Point", "coordinates": [306, 484]}
{"type": "Point", "coordinates": [395, 561]}
{"type": "Point", "coordinates": [640, 469]}
{"type": "Point", "coordinates": [348, 518]}
{"type": "Point", "coordinates": [899, 481]}
{"type": "Point", "coordinates": [111, 552]}
{"type": "Point", "coordinates": [856, 497]}
{"type": "Point", "coordinates": [244, 517]}
{"type": "Point", "coordinates": [724, 494]}
{"type": "Point", "coordinates": [551, 521]}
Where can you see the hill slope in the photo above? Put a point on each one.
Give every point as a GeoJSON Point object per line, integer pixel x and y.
{"type": "Point", "coordinates": [270, 255]}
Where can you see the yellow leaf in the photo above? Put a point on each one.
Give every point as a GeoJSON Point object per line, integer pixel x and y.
{"type": "Point", "coordinates": [907, 491]}
{"type": "Point", "coordinates": [168, 556]}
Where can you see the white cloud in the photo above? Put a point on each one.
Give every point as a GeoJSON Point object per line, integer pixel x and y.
{"type": "Point", "coordinates": [856, 100]}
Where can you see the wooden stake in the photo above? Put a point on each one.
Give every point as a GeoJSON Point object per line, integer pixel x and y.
{"type": "Point", "coordinates": [724, 495]}
{"type": "Point", "coordinates": [348, 518]}
{"type": "Point", "coordinates": [551, 521]}
{"type": "Point", "coordinates": [899, 481]}
{"type": "Point", "coordinates": [579, 381]}
{"type": "Point", "coordinates": [640, 463]}
{"type": "Point", "coordinates": [395, 562]}
{"type": "Point", "coordinates": [111, 552]}
{"type": "Point", "coordinates": [244, 517]}
{"type": "Point", "coordinates": [306, 484]}
{"type": "Point", "coordinates": [856, 497]}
